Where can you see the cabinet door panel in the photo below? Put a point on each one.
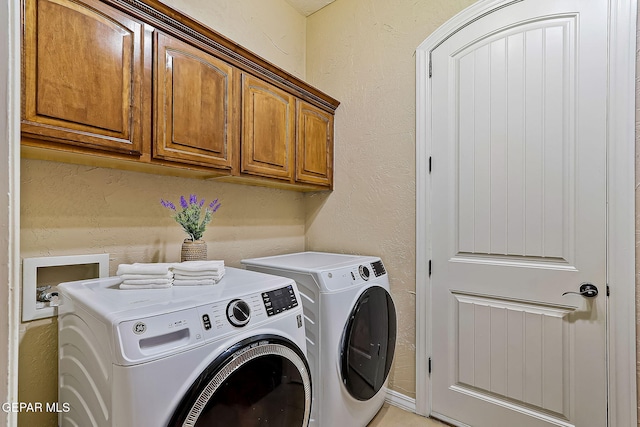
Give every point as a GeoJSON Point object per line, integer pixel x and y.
{"type": "Point", "coordinates": [314, 153]}
{"type": "Point", "coordinates": [196, 106]}
{"type": "Point", "coordinates": [83, 75]}
{"type": "Point", "coordinates": [268, 129]}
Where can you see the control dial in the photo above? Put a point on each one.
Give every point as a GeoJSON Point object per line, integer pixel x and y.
{"type": "Point", "coordinates": [238, 312]}
{"type": "Point", "coordinates": [364, 272]}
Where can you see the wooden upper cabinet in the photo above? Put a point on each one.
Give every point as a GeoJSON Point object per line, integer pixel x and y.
{"type": "Point", "coordinates": [314, 152]}
{"type": "Point", "coordinates": [196, 118]}
{"type": "Point", "coordinates": [268, 129]}
{"type": "Point", "coordinates": [138, 85]}
{"type": "Point", "coordinates": [83, 75]}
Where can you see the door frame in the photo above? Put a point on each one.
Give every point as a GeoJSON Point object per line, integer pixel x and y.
{"type": "Point", "coordinates": [10, 207]}
{"type": "Point", "coordinates": [621, 322]}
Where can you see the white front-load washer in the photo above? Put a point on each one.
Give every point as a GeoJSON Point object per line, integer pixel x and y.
{"type": "Point", "coordinates": [350, 324]}
{"type": "Point", "coordinates": [229, 354]}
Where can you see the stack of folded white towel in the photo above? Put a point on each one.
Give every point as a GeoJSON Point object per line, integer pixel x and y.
{"type": "Point", "coordinates": [145, 275]}
{"type": "Point", "coordinates": [194, 273]}
{"type": "Point", "coordinates": [166, 275]}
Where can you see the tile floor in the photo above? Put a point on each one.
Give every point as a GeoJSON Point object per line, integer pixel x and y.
{"type": "Point", "coordinates": [391, 416]}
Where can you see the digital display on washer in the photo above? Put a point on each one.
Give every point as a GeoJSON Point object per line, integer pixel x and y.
{"type": "Point", "coordinates": [279, 300]}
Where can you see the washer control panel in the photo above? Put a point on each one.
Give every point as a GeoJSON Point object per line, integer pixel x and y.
{"type": "Point", "coordinates": [226, 316]}
{"type": "Point", "coordinates": [279, 300]}
{"type": "Point", "coordinates": [238, 313]}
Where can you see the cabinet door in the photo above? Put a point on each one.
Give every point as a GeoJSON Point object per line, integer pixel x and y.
{"type": "Point", "coordinates": [83, 75]}
{"type": "Point", "coordinates": [195, 108]}
{"type": "Point", "coordinates": [314, 140]}
{"type": "Point", "coordinates": [268, 129]}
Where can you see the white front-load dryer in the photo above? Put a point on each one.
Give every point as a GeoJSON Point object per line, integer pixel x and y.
{"type": "Point", "coordinates": [228, 354]}
{"type": "Point", "coordinates": [350, 323]}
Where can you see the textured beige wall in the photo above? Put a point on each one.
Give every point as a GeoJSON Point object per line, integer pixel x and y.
{"type": "Point", "coordinates": [68, 209]}
{"type": "Point", "coordinates": [362, 53]}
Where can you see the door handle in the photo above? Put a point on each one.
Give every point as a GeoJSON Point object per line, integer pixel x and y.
{"type": "Point", "coordinates": [587, 290]}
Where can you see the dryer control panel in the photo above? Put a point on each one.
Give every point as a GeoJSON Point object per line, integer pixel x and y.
{"type": "Point", "coordinates": [364, 270]}
{"type": "Point", "coordinates": [378, 268]}
{"type": "Point", "coordinates": [355, 275]}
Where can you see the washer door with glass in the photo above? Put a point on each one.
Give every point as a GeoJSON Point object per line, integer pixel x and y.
{"type": "Point", "coordinates": [261, 381]}
{"type": "Point", "coordinates": [368, 343]}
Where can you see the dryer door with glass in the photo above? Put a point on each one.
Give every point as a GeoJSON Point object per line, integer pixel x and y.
{"type": "Point", "coordinates": [368, 343]}
{"type": "Point", "coordinates": [261, 381]}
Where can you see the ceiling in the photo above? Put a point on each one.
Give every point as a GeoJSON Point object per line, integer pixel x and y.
{"type": "Point", "coordinates": [307, 7]}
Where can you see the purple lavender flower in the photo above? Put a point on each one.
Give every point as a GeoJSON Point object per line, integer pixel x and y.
{"type": "Point", "coordinates": [191, 217]}
{"type": "Point", "coordinates": [168, 204]}
{"type": "Point", "coordinates": [214, 206]}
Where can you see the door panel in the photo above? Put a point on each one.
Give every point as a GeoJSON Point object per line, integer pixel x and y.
{"type": "Point", "coordinates": [514, 351]}
{"type": "Point", "coordinates": [518, 185]}
{"type": "Point", "coordinates": [517, 207]}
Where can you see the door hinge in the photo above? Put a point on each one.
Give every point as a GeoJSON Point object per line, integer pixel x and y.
{"type": "Point", "coordinates": [429, 164]}
{"type": "Point", "coordinates": [429, 268]}
{"type": "Point", "coordinates": [429, 365]}
{"type": "Point", "coordinates": [608, 291]}
{"type": "Point", "coordinates": [429, 64]}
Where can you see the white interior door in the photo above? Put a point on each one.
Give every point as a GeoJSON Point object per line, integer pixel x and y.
{"type": "Point", "coordinates": [518, 209]}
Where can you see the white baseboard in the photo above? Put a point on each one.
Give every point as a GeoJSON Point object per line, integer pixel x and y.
{"type": "Point", "coordinates": [401, 401]}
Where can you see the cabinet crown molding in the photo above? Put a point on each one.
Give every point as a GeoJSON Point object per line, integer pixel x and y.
{"type": "Point", "coordinates": [182, 26]}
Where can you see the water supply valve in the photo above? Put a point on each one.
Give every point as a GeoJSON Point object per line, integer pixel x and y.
{"type": "Point", "coordinates": [48, 295]}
